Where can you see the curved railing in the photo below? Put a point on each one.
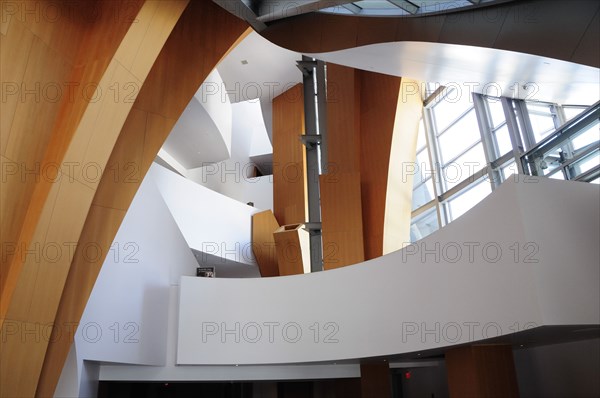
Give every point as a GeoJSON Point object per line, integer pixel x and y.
{"type": "Point", "coordinates": [525, 257]}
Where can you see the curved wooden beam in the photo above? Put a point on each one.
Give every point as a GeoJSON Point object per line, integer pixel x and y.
{"type": "Point", "coordinates": [132, 73]}
{"type": "Point", "coordinates": [175, 77]}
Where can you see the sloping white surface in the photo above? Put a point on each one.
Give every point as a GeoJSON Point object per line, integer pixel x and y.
{"type": "Point", "coordinates": [270, 70]}
{"type": "Point", "coordinates": [126, 315]}
{"type": "Point", "coordinates": [476, 69]}
{"type": "Point", "coordinates": [525, 256]}
{"type": "Point", "coordinates": [210, 222]}
{"type": "Point", "coordinates": [202, 135]}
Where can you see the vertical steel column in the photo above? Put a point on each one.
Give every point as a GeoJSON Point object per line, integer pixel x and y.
{"type": "Point", "coordinates": [322, 112]}
{"type": "Point", "coordinates": [315, 124]}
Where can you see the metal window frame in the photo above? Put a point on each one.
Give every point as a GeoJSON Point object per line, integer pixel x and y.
{"type": "Point", "coordinates": [565, 166]}
{"type": "Point", "coordinates": [532, 158]}
{"type": "Point", "coordinates": [510, 115]}
{"type": "Point", "coordinates": [492, 170]}
{"type": "Point", "coordinates": [462, 188]}
{"type": "Point", "coordinates": [423, 213]}
{"type": "Point", "coordinates": [416, 187]}
{"type": "Point", "coordinates": [490, 147]}
{"type": "Point", "coordinates": [522, 137]}
{"type": "Point", "coordinates": [434, 156]}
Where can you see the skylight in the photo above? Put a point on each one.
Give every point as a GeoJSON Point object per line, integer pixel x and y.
{"type": "Point", "coordinates": [400, 7]}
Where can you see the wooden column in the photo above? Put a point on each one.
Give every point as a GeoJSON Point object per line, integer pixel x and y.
{"type": "Point", "coordinates": [65, 66]}
{"type": "Point", "coordinates": [341, 219]}
{"type": "Point", "coordinates": [341, 203]}
{"type": "Point", "coordinates": [378, 107]}
{"type": "Point", "coordinates": [372, 122]}
{"type": "Point", "coordinates": [50, 71]}
{"type": "Point", "coordinates": [290, 200]}
{"type": "Point", "coordinates": [289, 160]}
{"type": "Point", "coordinates": [481, 371]}
{"type": "Point", "coordinates": [172, 81]}
{"type": "Point", "coordinates": [375, 381]}
{"type": "Point", "coordinates": [343, 119]}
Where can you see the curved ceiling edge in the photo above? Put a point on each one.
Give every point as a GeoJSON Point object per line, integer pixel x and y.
{"type": "Point", "coordinates": [556, 29]}
{"type": "Point", "coordinates": [487, 71]}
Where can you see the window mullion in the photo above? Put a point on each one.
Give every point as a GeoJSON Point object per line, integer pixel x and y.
{"type": "Point", "coordinates": [523, 116]}
{"type": "Point", "coordinates": [490, 151]}
{"type": "Point", "coordinates": [434, 159]}
{"type": "Point", "coordinates": [513, 131]}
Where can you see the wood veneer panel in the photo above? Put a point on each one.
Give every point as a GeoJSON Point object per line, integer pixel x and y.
{"type": "Point", "coordinates": [124, 165]}
{"type": "Point", "coordinates": [293, 249]}
{"type": "Point", "coordinates": [522, 26]}
{"type": "Point", "coordinates": [378, 106]}
{"type": "Point", "coordinates": [342, 224]}
{"type": "Point", "coordinates": [341, 204]}
{"type": "Point", "coordinates": [461, 369]}
{"type": "Point", "coordinates": [19, 371]}
{"type": "Point", "coordinates": [37, 136]}
{"type": "Point", "coordinates": [263, 242]}
{"type": "Point", "coordinates": [496, 370]}
{"type": "Point", "coordinates": [566, 21]}
{"type": "Point", "coordinates": [172, 81]}
{"type": "Point", "coordinates": [15, 46]}
{"type": "Point", "coordinates": [100, 124]}
{"type": "Point", "coordinates": [55, 75]}
{"type": "Point", "coordinates": [587, 50]}
{"type": "Point", "coordinates": [361, 112]}
{"type": "Point", "coordinates": [482, 371]}
{"type": "Point", "coordinates": [101, 227]}
{"type": "Point", "coordinates": [343, 119]}
{"type": "Point", "coordinates": [26, 132]}
{"type": "Point", "coordinates": [289, 159]}
{"type": "Point", "coordinates": [375, 381]}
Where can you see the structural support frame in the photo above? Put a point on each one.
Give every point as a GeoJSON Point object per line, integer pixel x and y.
{"type": "Point", "coordinates": [314, 139]}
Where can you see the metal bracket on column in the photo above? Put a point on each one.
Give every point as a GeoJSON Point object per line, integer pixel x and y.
{"type": "Point", "coordinates": [311, 141]}
{"type": "Point", "coordinates": [306, 66]}
{"type": "Point", "coordinates": [312, 226]}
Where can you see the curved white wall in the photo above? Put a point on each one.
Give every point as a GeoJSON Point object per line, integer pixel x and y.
{"type": "Point", "coordinates": [130, 317]}
{"type": "Point", "coordinates": [125, 319]}
{"type": "Point", "coordinates": [202, 135]}
{"type": "Point", "coordinates": [210, 222]}
{"type": "Point", "coordinates": [394, 304]}
{"type": "Point", "coordinates": [526, 256]}
{"type": "Point", "coordinates": [218, 106]}
{"type": "Point", "coordinates": [232, 177]}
